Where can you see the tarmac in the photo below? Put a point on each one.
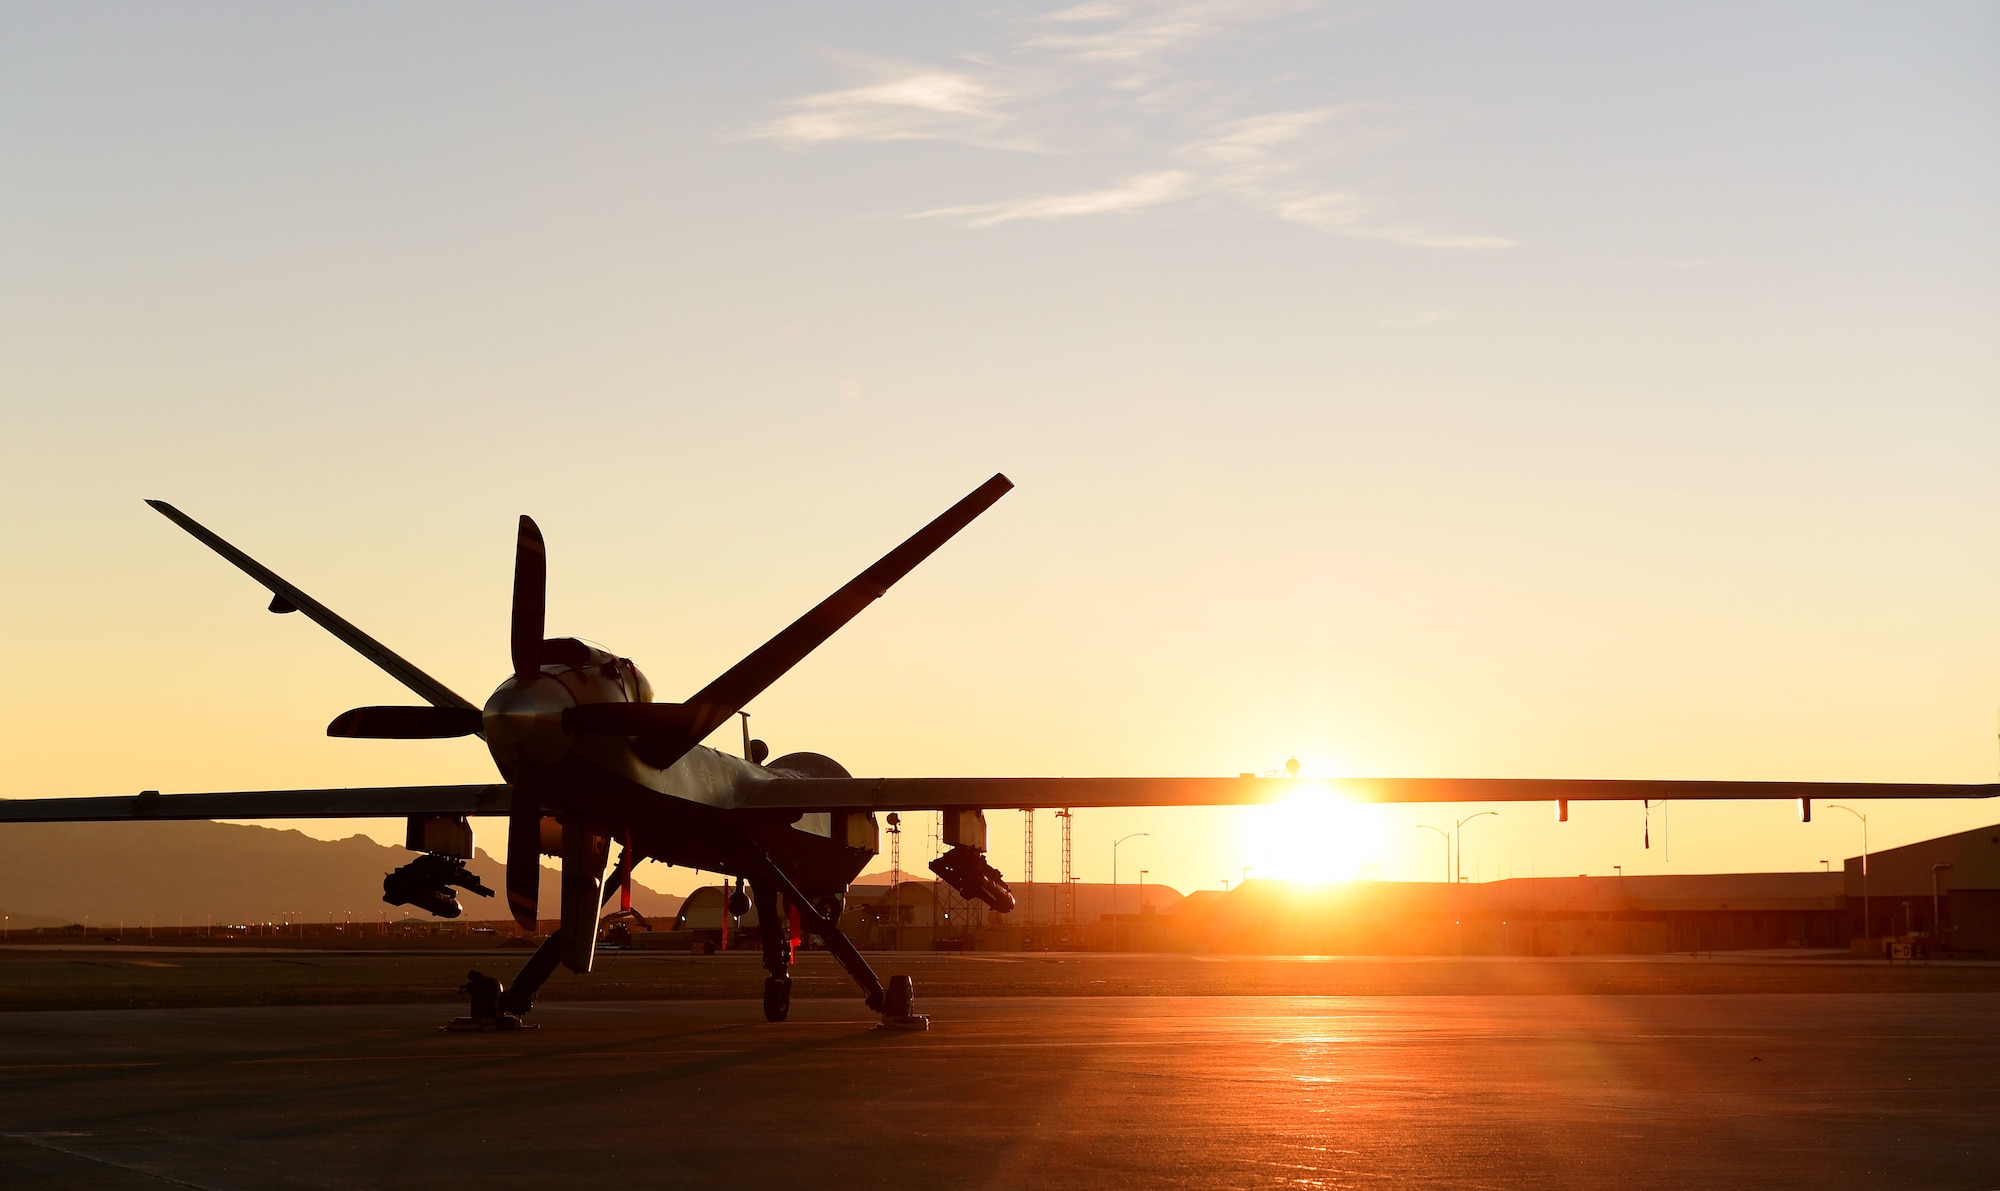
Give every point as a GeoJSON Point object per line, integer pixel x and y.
{"type": "Point", "coordinates": [1824, 1089]}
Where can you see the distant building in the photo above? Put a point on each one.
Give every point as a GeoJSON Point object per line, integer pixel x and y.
{"type": "Point", "coordinates": [1962, 871]}
{"type": "Point", "coordinates": [1531, 916]}
{"type": "Point", "coordinates": [1550, 916]}
{"type": "Point", "coordinates": [1627, 915]}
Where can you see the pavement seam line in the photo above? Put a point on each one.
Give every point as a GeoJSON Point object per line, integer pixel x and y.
{"type": "Point", "coordinates": [42, 1143]}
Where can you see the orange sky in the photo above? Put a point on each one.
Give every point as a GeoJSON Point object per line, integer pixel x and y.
{"type": "Point", "coordinates": [1409, 395]}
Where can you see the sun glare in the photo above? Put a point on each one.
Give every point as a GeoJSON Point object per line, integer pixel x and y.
{"type": "Point", "coordinates": [1316, 837]}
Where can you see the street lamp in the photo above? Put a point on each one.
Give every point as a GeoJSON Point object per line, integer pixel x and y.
{"type": "Point", "coordinates": [1937, 923]}
{"type": "Point", "coordinates": [1142, 889]}
{"type": "Point", "coordinates": [1114, 883]}
{"type": "Point", "coordinates": [1461, 847]}
{"type": "Point", "coordinates": [1865, 922]}
{"type": "Point", "coordinates": [1446, 837]}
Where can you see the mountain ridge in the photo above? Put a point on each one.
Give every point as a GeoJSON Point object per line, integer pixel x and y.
{"type": "Point", "coordinates": [188, 872]}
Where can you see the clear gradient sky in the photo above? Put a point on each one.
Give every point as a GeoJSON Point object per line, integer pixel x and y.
{"type": "Point", "coordinates": [1539, 390]}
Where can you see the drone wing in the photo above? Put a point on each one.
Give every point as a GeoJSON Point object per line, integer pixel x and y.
{"type": "Point", "coordinates": [1023, 793]}
{"type": "Point", "coordinates": [365, 802]}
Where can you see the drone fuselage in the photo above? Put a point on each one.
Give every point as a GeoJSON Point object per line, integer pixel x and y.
{"type": "Point", "coordinates": [685, 813]}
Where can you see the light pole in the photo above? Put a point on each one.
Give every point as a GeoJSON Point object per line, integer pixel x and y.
{"type": "Point", "coordinates": [1446, 837]}
{"type": "Point", "coordinates": [1461, 846]}
{"type": "Point", "coordinates": [1865, 926]}
{"type": "Point", "coordinates": [1142, 889]}
{"type": "Point", "coordinates": [1114, 883]}
{"type": "Point", "coordinates": [1937, 923]}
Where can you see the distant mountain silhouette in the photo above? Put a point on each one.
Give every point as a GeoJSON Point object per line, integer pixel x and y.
{"type": "Point", "coordinates": [194, 871]}
{"type": "Point", "coordinates": [14, 922]}
{"type": "Point", "coordinates": [891, 876]}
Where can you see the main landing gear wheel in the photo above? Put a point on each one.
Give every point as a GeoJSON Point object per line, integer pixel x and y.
{"type": "Point", "coordinates": [899, 1006]}
{"type": "Point", "coordinates": [777, 997]}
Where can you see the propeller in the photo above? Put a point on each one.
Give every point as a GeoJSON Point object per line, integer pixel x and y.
{"type": "Point", "coordinates": [524, 856]}
{"type": "Point", "coordinates": [663, 732]}
{"type": "Point", "coordinates": [531, 599]}
{"type": "Point", "coordinates": [406, 723]}
{"type": "Point", "coordinates": [524, 639]}
{"type": "Point", "coordinates": [531, 570]}
{"type": "Point", "coordinates": [584, 853]}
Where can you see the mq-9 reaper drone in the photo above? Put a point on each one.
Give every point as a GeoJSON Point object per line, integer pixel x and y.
{"type": "Point", "coordinates": [588, 759]}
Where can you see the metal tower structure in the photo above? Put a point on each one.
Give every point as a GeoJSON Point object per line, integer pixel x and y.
{"type": "Point", "coordinates": [896, 874]}
{"type": "Point", "coordinates": [1028, 861]}
{"type": "Point", "coordinates": [1067, 915]}
{"type": "Point", "coordinates": [952, 915]}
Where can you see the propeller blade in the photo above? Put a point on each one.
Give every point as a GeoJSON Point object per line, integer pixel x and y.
{"type": "Point", "coordinates": [524, 857]}
{"type": "Point", "coordinates": [531, 598]}
{"type": "Point", "coordinates": [406, 723]}
{"type": "Point", "coordinates": [583, 894]}
{"type": "Point", "coordinates": [715, 703]}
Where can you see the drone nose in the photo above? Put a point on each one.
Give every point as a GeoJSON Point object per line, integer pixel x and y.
{"type": "Point", "coordinates": [523, 721]}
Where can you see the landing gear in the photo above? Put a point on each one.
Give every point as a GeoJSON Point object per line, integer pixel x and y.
{"type": "Point", "coordinates": [505, 1007]}
{"type": "Point", "coordinates": [519, 999]}
{"type": "Point", "coordinates": [902, 997]}
{"type": "Point", "coordinates": [777, 997]}
{"type": "Point", "coordinates": [497, 1007]}
{"type": "Point", "coordinates": [778, 952]}
{"type": "Point", "coordinates": [488, 997]}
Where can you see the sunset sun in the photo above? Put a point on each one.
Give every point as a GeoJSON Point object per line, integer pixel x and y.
{"type": "Point", "coordinates": [1317, 837]}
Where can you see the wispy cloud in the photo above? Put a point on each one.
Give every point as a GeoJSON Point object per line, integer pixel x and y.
{"type": "Point", "coordinates": [915, 105]}
{"type": "Point", "coordinates": [1147, 190]}
{"type": "Point", "coordinates": [1078, 80]}
{"type": "Point", "coordinates": [1142, 32]}
{"type": "Point", "coordinates": [1697, 262]}
{"type": "Point", "coordinates": [1346, 215]}
{"type": "Point", "coordinates": [1256, 140]}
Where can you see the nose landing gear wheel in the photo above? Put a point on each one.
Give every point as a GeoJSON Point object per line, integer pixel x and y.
{"type": "Point", "coordinates": [777, 997]}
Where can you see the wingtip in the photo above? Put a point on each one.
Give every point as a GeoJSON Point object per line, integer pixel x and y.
{"type": "Point", "coordinates": [159, 506]}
